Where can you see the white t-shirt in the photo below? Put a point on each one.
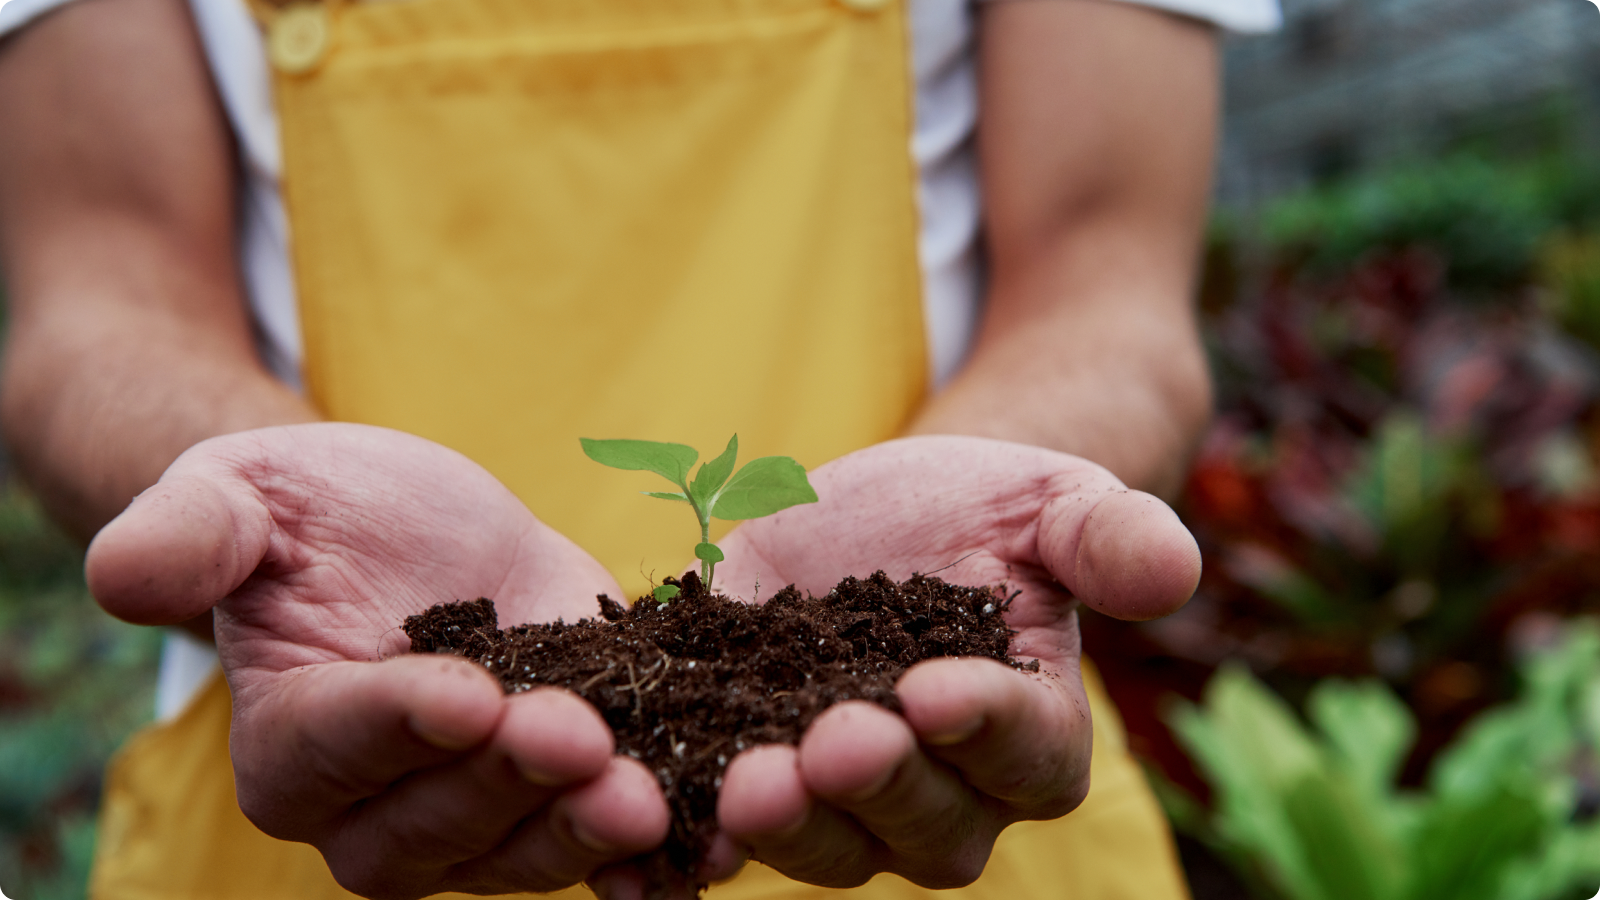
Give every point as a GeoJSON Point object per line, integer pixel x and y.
{"type": "Point", "coordinates": [946, 115]}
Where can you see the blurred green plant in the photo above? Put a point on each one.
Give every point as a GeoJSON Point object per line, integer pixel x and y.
{"type": "Point", "coordinates": [73, 684]}
{"type": "Point", "coordinates": [1569, 269]}
{"type": "Point", "coordinates": [1314, 813]}
{"type": "Point", "coordinates": [1397, 483]}
{"type": "Point", "coordinates": [1392, 482]}
{"type": "Point", "coordinates": [1487, 218]}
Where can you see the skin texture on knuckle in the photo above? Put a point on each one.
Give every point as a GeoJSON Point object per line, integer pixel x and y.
{"type": "Point", "coordinates": [1061, 802]}
{"type": "Point", "coordinates": [841, 863]}
{"type": "Point", "coordinates": [951, 859]}
{"type": "Point", "coordinates": [540, 856]}
{"type": "Point", "coordinates": [265, 809]}
{"type": "Point", "coordinates": [1049, 790]}
{"type": "Point", "coordinates": [376, 876]}
{"type": "Point", "coordinates": [956, 869]}
{"type": "Point", "coordinates": [836, 871]}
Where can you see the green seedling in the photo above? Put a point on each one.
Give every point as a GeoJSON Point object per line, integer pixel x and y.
{"type": "Point", "coordinates": [764, 486]}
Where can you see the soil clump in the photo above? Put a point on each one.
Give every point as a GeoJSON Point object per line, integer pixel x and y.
{"type": "Point", "coordinates": [688, 685]}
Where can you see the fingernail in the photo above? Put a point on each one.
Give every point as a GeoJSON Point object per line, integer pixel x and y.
{"type": "Point", "coordinates": [872, 790]}
{"type": "Point", "coordinates": [794, 828]}
{"type": "Point", "coordinates": [542, 779]}
{"type": "Point", "coordinates": [584, 837]}
{"type": "Point", "coordinates": [956, 735]}
{"type": "Point", "coordinates": [451, 742]}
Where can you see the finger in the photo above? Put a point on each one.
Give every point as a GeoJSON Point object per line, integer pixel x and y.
{"type": "Point", "coordinates": [180, 547]}
{"type": "Point", "coordinates": [623, 882]}
{"type": "Point", "coordinates": [864, 760]}
{"type": "Point", "coordinates": [619, 814]}
{"type": "Point", "coordinates": [765, 806]}
{"type": "Point", "coordinates": [1125, 553]}
{"type": "Point", "coordinates": [723, 859]}
{"type": "Point", "coordinates": [310, 743]}
{"type": "Point", "coordinates": [1021, 740]}
{"type": "Point", "coordinates": [439, 817]}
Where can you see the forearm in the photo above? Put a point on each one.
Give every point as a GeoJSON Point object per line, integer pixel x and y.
{"type": "Point", "coordinates": [1140, 427]}
{"type": "Point", "coordinates": [96, 407]}
{"type": "Point", "coordinates": [127, 336]}
{"type": "Point", "coordinates": [1095, 136]}
{"type": "Point", "coordinates": [1107, 366]}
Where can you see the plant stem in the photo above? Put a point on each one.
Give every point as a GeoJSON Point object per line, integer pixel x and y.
{"type": "Point", "coordinates": [706, 566]}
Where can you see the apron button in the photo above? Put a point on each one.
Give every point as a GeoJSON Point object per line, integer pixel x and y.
{"type": "Point", "coordinates": [298, 38]}
{"type": "Point", "coordinates": [864, 6]}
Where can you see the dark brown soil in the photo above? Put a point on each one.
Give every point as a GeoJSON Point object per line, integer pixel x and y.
{"type": "Point", "coordinates": [688, 685]}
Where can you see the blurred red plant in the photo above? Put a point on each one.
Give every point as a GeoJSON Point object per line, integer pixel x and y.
{"type": "Point", "coordinates": [1395, 479]}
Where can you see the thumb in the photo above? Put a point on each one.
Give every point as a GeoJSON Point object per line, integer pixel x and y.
{"type": "Point", "coordinates": [179, 548]}
{"type": "Point", "coordinates": [1124, 553]}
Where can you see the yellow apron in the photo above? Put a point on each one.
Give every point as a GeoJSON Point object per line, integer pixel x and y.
{"type": "Point", "coordinates": [517, 222]}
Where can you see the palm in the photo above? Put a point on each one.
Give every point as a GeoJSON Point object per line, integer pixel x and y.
{"type": "Point", "coordinates": [978, 512]}
{"type": "Point", "coordinates": [365, 532]}
{"type": "Point", "coordinates": [411, 774]}
{"type": "Point", "coordinates": [980, 745]}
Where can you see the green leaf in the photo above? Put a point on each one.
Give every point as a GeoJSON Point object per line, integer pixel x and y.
{"type": "Point", "coordinates": [1367, 726]}
{"type": "Point", "coordinates": [666, 495]}
{"type": "Point", "coordinates": [1535, 733]}
{"type": "Point", "coordinates": [665, 593]}
{"type": "Point", "coordinates": [670, 461]}
{"type": "Point", "coordinates": [714, 474]}
{"type": "Point", "coordinates": [1465, 847]}
{"type": "Point", "coordinates": [763, 487]}
{"type": "Point", "coordinates": [1568, 864]}
{"type": "Point", "coordinates": [1253, 750]}
{"type": "Point", "coordinates": [708, 552]}
{"type": "Point", "coordinates": [1346, 853]}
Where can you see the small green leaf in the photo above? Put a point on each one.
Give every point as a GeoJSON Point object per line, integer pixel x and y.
{"type": "Point", "coordinates": [665, 593]}
{"type": "Point", "coordinates": [670, 461]}
{"type": "Point", "coordinates": [666, 495]}
{"type": "Point", "coordinates": [1367, 727]}
{"type": "Point", "coordinates": [708, 552]}
{"type": "Point", "coordinates": [763, 487]}
{"type": "Point", "coordinates": [714, 474]}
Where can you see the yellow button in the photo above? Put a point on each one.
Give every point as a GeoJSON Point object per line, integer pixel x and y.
{"type": "Point", "coordinates": [864, 6]}
{"type": "Point", "coordinates": [299, 37]}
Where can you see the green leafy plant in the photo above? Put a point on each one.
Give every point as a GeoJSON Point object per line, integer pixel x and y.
{"type": "Point", "coordinates": [762, 487]}
{"type": "Point", "coordinates": [1315, 813]}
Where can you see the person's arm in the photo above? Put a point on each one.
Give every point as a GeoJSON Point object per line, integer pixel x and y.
{"type": "Point", "coordinates": [129, 342]}
{"type": "Point", "coordinates": [127, 338]}
{"type": "Point", "coordinates": [1096, 137]}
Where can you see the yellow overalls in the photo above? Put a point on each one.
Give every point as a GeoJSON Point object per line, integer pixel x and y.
{"type": "Point", "coordinates": [516, 222]}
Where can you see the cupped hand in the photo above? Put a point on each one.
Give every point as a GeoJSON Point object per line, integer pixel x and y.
{"type": "Point", "coordinates": [980, 745]}
{"type": "Point", "coordinates": [412, 774]}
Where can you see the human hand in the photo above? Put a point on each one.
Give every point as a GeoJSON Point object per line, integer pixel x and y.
{"type": "Point", "coordinates": [411, 774]}
{"type": "Point", "coordinates": [980, 745]}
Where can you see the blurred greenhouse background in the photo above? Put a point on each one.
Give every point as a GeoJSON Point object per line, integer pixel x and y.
{"type": "Point", "coordinates": [1388, 685]}
{"type": "Point", "coordinates": [73, 684]}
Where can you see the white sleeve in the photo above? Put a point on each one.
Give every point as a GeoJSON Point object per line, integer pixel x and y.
{"type": "Point", "coordinates": [16, 13]}
{"type": "Point", "coordinates": [1243, 16]}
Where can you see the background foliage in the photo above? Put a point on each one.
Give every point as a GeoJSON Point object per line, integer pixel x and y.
{"type": "Point", "coordinates": [1399, 506]}
{"type": "Point", "coordinates": [73, 684]}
